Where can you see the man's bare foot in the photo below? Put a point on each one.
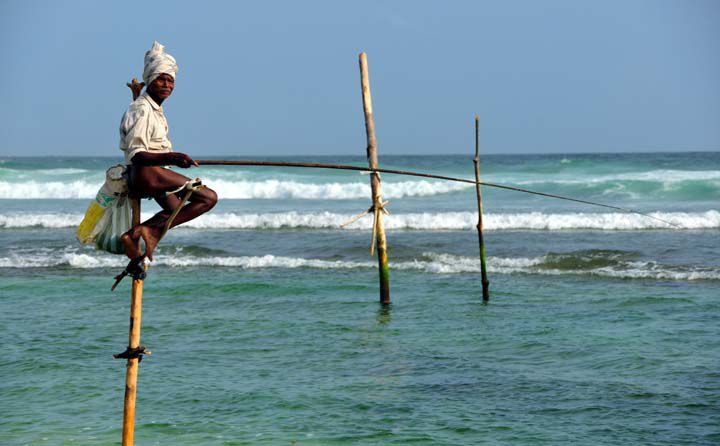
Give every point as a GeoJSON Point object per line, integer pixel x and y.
{"type": "Point", "coordinates": [130, 242]}
{"type": "Point", "coordinates": [149, 234]}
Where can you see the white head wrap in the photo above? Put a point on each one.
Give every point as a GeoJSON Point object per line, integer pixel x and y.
{"type": "Point", "coordinates": [158, 62]}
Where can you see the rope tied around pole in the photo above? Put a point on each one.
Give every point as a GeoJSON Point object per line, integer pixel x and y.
{"type": "Point", "coordinates": [364, 213]}
{"type": "Point", "coordinates": [375, 209]}
{"type": "Point", "coordinates": [358, 216]}
{"type": "Point", "coordinates": [131, 353]}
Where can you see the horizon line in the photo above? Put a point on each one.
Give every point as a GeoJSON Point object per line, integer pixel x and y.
{"type": "Point", "coordinates": [216, 156]}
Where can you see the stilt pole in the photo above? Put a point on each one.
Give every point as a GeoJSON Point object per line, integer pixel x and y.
{"type": "Point", "coordinates": [481, 240]}
{"type": "Point", "coordinates": [378, 226]}
{"type": "Point", "coordinates": [133, 344]}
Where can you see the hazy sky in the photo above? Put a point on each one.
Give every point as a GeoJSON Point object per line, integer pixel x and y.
{"type": "Point", "coordinates": [279, 78]}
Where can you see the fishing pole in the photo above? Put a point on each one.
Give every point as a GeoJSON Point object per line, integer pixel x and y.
{"type": "Point", "coordinates": [418, 174]}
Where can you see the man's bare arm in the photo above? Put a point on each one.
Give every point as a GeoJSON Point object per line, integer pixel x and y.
{"type": "Point", "coordinates": [163, 159]}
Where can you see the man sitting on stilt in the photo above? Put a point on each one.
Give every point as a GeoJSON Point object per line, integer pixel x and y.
{"type": "Point", "coordinates": [144, 139]}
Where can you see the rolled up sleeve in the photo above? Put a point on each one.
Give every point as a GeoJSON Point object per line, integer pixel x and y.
{"type": "Point", "coordinates": [134, 133]}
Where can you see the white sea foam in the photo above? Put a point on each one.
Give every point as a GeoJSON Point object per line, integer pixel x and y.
{"type": "Point", "coordinates": [605, 221]}
{"type": "Point", "coordinates": [432, 263]}
{"type": "Point", "coordinates": [59, 171]}
{"type": "Point", "coordinates": [72, 259]}
{"type": "Point", "coordinates": [660, 176]}
{"type": "Point", "coordinates": [266, 261]}
{"type": "Point", "coordinates": [451, 264]}
{"type": "Point", "coordinates": [48, 189]}
{"type": "Point", "coordinates": [290, 189]}
{"type": "Point", "coordinates": [464, 221]}
{"type": "Point", "coordinates": [39, 220]}
{"type": "Point", "coordinates": [265, 189]}
{"type": "Point", "coordinates": [425, 221]}
{"type": "Point", "coordinates": [33, 172]}
{"type": "Point", "coordinates": [275, 189]}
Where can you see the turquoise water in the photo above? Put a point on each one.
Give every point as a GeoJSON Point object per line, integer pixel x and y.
{"type": "Point", "coordinates": [265, 328]}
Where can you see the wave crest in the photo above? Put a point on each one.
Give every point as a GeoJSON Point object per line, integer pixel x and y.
{"type": "Point", "coordinates": [432, 263]}
{"type": "Point", "coordinates": [425, 221]}
{"type": "Point", "coordinates": [265, 189]}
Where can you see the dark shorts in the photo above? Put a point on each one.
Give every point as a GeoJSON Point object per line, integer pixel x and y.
{"type": "Point", "coordinates": [132, 191]}
{"type": "Point", "coordinates": [129, 178]}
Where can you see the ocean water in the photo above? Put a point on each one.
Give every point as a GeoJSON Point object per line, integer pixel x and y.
{"type": "Point", "coordinates": [265, 327]}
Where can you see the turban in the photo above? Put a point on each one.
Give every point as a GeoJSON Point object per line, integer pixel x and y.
{"type": "Point", "coordinates": [158, 62]}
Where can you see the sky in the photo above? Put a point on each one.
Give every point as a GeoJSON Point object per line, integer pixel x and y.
{"type": "Point", "coordinates": [282, 78]}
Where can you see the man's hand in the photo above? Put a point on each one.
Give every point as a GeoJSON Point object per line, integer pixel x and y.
{"type": "Point", "coordinates": [182, 160]}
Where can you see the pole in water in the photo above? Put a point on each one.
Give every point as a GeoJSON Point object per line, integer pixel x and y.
{"type": "Point", "coordinates": [481, 240]}
{"type": "Point", "coordinates": [380, 242]}
{"type": "Point", "coordinates": [134, 351]}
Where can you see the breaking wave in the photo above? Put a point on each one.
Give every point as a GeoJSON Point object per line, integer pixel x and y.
{"type": "Point", "coordinates": [411, 221]}
{"type": "Point", "coordinates": [611, 264]}
{"type": "Point", "coordinates": [266, 189]}
{"type": "Point", "coordinates": [659, 176]}
{"type": "Point", "coordinates": [48, 189]}
{"type": "Point", "coordinates": [276, 189]}
{"type": "Point", "coordinates": [665, 184]}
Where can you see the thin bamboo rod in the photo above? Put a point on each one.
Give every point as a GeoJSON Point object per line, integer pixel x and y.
{"type": "Point", "coordinates": [378, 226]}
{"type": "Point", "coordinates": [131, 374]}
{"type": "Point", "coordinates": [481, 240]}
{"type": "Point", "coordinates": [417, 174]}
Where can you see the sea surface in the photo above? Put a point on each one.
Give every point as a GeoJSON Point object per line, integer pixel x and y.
{"type": "Point", "coordinates": [265, 327]}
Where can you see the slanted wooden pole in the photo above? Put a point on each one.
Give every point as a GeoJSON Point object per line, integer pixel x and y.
{"type": "Point", "coordinates": [481, 240]}
{"type": "Point", "coordinates": [131, 375]}
{"type": "Point", "coordinates": [379, 228]}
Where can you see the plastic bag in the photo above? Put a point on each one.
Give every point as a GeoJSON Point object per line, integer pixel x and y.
{"type": "Point", "coordinates": [109, 215]}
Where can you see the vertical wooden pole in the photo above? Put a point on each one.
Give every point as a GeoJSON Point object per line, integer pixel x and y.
{"type": "Point", "coordinates": [381, 241]}
{"type": "Point", "coordinates": [481, 240]}
{"type": "Point", "coordinates": [133, 343]}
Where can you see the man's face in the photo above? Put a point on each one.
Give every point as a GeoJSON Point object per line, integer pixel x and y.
{"type": "Point", "coordinates": [162, 87]}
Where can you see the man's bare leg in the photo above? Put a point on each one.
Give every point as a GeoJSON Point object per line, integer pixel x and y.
{"type": "Point", "coordinates": [132, 237]}
{"type": "Point", "coordinates": [154, 181]}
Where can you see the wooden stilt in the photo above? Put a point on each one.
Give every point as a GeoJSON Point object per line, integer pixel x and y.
{"type": "Point", "coordinates": [133, 344]}
{"type": "Point", "coordinates": [378, 226]}
{"type": "Point", "coordinates": [481, 240]}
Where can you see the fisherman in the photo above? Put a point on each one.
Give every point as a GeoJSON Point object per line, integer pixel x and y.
{"type": "Point", "coordinates": [144, 140]}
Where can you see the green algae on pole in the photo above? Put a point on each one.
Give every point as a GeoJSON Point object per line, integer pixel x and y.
{"type": "Point", "coordinates": [481, 240]}
{"type": "Point", "coordinates": [378, 211]}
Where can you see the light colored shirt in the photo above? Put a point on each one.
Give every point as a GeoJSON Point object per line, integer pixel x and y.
{"type": "Point", "coordinates": [144, 129]}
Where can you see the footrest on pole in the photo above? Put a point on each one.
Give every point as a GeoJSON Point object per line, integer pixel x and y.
{"type": "Point", "coordinates": [135, 268]}
{"type": "Point", "coordinates": [131, 353]}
